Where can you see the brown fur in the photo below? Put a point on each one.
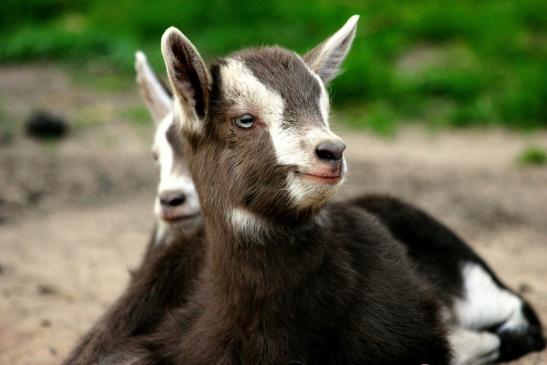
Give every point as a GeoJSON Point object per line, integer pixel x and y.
{"type": "Point", "coordinates": [162, 282]}
{"type": "Point", "coordinates": [316, 284]}
{"type": "Point", "coordinates": [325, 285]}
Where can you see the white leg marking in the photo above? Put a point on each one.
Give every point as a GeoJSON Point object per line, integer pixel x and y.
{"type": "Point", "coordinates": [485, 304]}
{"type": "Point", "coordinates": [473, 348]}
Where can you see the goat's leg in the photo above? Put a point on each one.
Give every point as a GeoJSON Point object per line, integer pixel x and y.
{"type": "Point", "coordinates": [474, 348]}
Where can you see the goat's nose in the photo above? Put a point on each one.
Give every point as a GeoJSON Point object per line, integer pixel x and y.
{"type": "Point", "coordinates": [172, 198]}
{"type": "Point", "coordinates": [330, 151]}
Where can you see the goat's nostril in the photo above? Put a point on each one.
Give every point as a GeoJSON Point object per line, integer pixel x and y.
{"type": "Point", "coordinates": [330, 151]}
{"type": "Point", "coordinates": [172, 198]}
{"type": "Point", "coordinates": [177, 201]}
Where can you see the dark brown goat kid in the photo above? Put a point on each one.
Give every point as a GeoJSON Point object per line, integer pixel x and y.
{"type": "Point", "coordinates": [496, 325]}
{"type": "Point", "coordinates": [287, 276]}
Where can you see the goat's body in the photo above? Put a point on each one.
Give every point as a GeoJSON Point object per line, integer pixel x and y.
{"type": "Point", "coordinates": [476, 298]}
{"type": "Point", "coordinates": [287, 276]}
{"type": "Point", "coordinates": [342, 293]}
{"type": "Point", "coordinates": [438, 256]}
{"type": "Point", "coordinates": [280, 276]}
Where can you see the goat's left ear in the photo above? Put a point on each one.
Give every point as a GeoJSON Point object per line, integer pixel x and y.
{"type": "Point", "coordinates": [155, 96]}
{"type": "Point", "coordinates": [326, 58]}
{"type": "Point", "coordinates": [187, 72]}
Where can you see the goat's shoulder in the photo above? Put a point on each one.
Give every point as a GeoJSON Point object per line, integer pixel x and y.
{"type": "Point", "coordinates": [390, 297]}
{"type": "Point", "coordinates": [364, 235]}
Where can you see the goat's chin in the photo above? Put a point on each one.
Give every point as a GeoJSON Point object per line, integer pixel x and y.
{"type": "Point", "coordinates": [186, 228]}
{"type": "Point", "coordinates": [307, 194]}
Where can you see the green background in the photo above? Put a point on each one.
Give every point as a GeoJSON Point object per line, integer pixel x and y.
{"type": "Point", "coordinates": [457, 63]}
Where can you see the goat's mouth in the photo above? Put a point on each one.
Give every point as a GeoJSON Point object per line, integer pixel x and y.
{"type": "Point", "coordinates": [321, 177]}
{"type": "Point", "coordinates": [175, 218]}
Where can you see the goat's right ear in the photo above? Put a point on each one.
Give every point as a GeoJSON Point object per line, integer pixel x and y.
{"type": "Point", "coordinates": [155, 96]}
{"type": "Point", "coordinates": [187, 72]}
{"type": "Point", "coordinates": [326, 58]}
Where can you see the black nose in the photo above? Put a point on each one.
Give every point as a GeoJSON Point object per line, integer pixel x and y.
{"type": "Point", "coordinates": [172, 198]}
{"type": "Point", "coordinates": [330, 151]}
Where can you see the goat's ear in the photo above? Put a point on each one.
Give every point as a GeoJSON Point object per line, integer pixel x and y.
{"type": "Point", "coordinates": [155, 95]}
{"type": "Point", "coordinates": [187, 72]}
{"type": "Point", "coordinates": [326, 58]}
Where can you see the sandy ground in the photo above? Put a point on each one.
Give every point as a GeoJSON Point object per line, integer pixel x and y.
{"type": "Point", "coordinates": [76, 215]}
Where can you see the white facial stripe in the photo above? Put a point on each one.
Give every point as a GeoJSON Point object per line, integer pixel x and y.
{"type": "Point", "coordinates": [293, 146]}
{"type": "Point", "coordinates": [287, 145]}
{"type": "Point", "coordinates": [315, 135]}
{"type": "Point", "coordinates": [486, 304]}
{"type": "Point", "coordinates": [297, 147]}
{"type": "Point", "coordinates": [247, 92]}
{"type": "Point", "coordinates": [166, 156]}
{"type": "Point", "coordinates": [171, 178]}
{"type": "Point", "coordinates": [323, 102]}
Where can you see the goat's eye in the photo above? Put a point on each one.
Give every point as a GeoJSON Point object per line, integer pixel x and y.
{"type": "Point", "coordinates": [245, 121]}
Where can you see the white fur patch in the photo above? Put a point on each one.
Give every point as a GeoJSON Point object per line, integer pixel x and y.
{"type": "Point", "coordinates": [241, 87]}
{"type": "Point", "coordinates": [249, 94]}
{"type": "Point", "coordinates": [295, 149]}
{"type": "Point", "coordinates": [304, 194]}
{"type": "Point", "coordinates": [485, 304]}
{"type": "Point", "coordinates": [161, 232]}
{"type": "Point", "coordinates": [161, 146]}
{"type": "Point", "coordinates": [473, 348]}
{"type": "Point", "coordinates": [323, 102]}
{"type": "Point", "coordinates": [172, 178]}
{"type": "Point", "coordinates": [247, 222]}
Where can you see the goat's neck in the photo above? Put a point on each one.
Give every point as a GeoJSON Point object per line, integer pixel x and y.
{"type": "Point", "coordinates": [276, 260]}
{"type": "Point", "coordinates": [243, 263]}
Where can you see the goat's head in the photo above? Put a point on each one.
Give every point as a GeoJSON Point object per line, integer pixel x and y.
{"type": "Point", "coordinates": [256, 124]}
{"type": "Point", "coordinates": [176, 201]}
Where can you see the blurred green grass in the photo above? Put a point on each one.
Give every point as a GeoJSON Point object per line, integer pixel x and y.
{"type": "Point", "coordinates": [533, 156]}
{"type": "Point", "coordinates": [443, 63]}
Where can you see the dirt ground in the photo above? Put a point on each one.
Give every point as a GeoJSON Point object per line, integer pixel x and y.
{"type": "Point", "coordinates": [75, 215]}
